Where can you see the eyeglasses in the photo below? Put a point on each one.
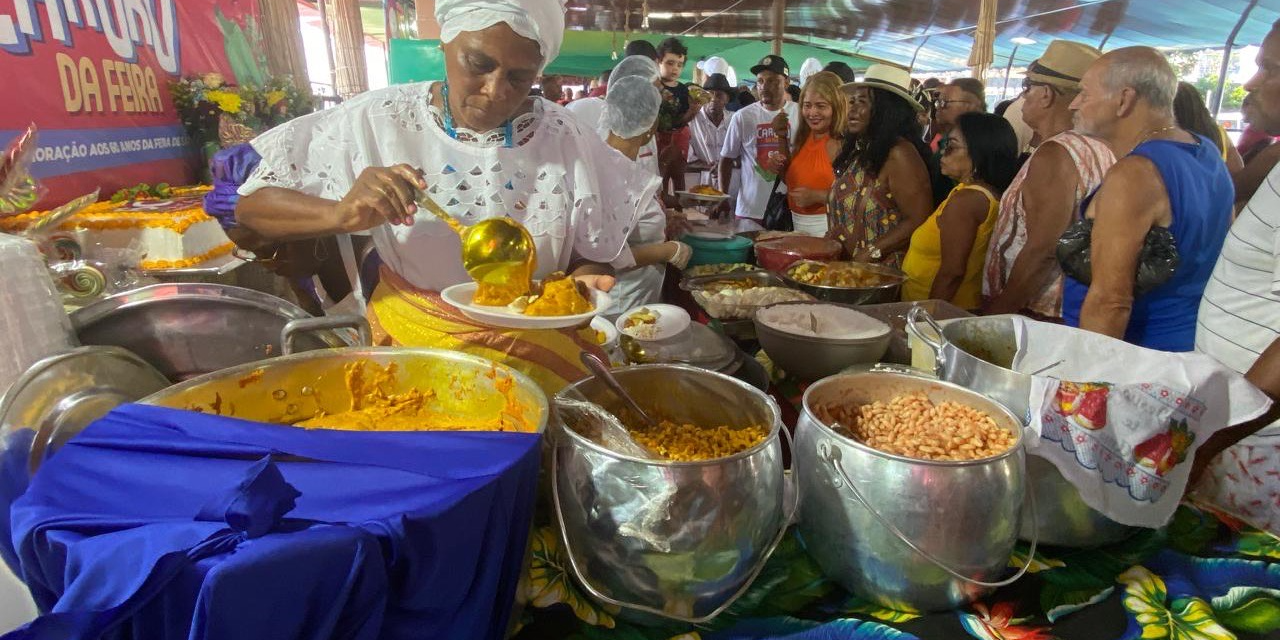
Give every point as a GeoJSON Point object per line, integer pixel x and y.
{"type": "Point", "coordinates": [1028, 84]}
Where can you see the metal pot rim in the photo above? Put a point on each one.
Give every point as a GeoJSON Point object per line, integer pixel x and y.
{"type": "Point", "coordinates": [835, 342]}
{"type": "Point", "coordinates": [352, 353]}
{"type": "Point", "coordinates": [773, 435]}
{"type": "Point", "coordinates": [174, 291]}
{"type": "Point", "coordinates": [1013, 450]}
{"type": "Point", "coordinates": [874, 268]}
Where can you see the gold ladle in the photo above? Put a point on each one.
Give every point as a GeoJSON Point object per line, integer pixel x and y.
{"type": "Point", "coordinates": [498, 253]}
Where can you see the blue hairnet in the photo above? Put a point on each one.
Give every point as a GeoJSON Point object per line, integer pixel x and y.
{"type": "Point", "coordinates": [631, 106]}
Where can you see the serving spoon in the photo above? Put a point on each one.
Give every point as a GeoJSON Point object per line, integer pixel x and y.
{"type": "Point", "coordinates": [498, 252]}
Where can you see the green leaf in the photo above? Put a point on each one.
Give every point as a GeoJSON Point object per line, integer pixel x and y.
{"type": "Point", "coordinates": [1249, 609]}
{"type": "Point", "coordinates": [1185, 619]}
{"type": "Point", "coordinates": [857, 606]}
{"type": "Point", "coordinates": [1259, 544]}
{"type": "Point", "coordinates": [1192, 530]}
{"type": "Point", "coordinates": [1058, 601]}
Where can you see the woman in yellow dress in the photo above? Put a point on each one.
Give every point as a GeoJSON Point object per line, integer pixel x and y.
{"type": "Point", "coordinates": [945, 260]}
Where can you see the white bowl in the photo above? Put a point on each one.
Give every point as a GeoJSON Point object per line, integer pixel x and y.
{"type": "Point", "coordinates": [672, 321]}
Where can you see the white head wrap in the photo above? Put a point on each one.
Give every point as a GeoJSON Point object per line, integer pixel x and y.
{"type": "Point", "coordinates": [634, 66]}
{"type": "Point", "coordinates": [810, 67]}
{"type": "Point", "coordinates": [631, 106]}
{"type": "Point", "coordinates": [539, 20]}
{"type": "Point", "coordinates": [716, 64]}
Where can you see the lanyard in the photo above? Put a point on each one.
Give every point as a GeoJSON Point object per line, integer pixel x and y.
{"type": "Point", "coordinates": [508, 134]}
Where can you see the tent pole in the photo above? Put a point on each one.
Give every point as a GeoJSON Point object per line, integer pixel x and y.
{"type": "Point", "coordinates": [917, 53]}
{"type": "Point", "coordinates": [1216, 102]}
{"type": "Point", "coordinates": [780, 25]}
{"type": "Point", "coordinates": [1007, 70]}
{"type": "Point", "coordinates": [328, 45]}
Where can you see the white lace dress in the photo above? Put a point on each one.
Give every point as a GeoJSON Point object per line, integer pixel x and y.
{"type": "Point", "coordinates": [578, 197]}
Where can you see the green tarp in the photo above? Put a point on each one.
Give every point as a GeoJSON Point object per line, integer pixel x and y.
{"type": "Point", "coordinates": [587, 53]}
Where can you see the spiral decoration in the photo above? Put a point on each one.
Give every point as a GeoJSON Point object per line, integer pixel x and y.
{"type": "Point", "coordinates": [61, 248]}
{"type": "Point", "coordinates": [79, 279]}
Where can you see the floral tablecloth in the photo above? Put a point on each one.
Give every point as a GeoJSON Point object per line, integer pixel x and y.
{"type": "Point", "coordinates": [1204, 577]}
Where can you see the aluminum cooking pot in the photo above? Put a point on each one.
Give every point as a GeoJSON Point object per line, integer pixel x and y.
{"type": "Point", "coordinates": [666, 540]}
{"type": "Point", "coordinates": [978, 353]}
{"type": "Point", "coordinates": [900, 531]}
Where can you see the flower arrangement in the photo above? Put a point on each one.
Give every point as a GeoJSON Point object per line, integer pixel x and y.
{"type": "Point", "coordinates": [207, 104]}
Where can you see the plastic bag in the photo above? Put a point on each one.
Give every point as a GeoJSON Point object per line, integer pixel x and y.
{"type": "Point", "coordinates": [1157, 261]}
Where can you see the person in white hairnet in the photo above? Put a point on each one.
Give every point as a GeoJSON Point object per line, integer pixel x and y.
{"type": "Point", "coordinates": [480, 147]}
{"type": "Point", "coordinates": [810, 67]}
{"type": "Point", "coordinates": [629, 122]}
{"type": "Point", "coordinates": [591, 111]}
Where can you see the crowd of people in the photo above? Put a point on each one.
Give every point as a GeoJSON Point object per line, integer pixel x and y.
{"type": "Point", "coordinates": [1099, 198]}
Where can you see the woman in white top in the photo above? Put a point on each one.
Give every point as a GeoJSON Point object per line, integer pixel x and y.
{"type": "Point", "coordinates": [481, 148]}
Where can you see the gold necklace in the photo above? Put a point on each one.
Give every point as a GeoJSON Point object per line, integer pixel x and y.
{"type": "Point", "coordinates": [1153, 134]}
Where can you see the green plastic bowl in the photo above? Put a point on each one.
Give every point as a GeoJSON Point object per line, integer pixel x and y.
{"type": "Point", "coordinates": [718, 250]}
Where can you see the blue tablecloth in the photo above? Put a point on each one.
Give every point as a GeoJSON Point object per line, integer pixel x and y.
{"type": "Point", "coordinates": [156, 523]}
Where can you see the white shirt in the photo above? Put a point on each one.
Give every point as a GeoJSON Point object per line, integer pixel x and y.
{"type": "Point", "coordinates": [590, 113]}
{"type": "Point", "coordinates": [577, 196]}
{"type": "Point", "coordinates": [707, 139]}
{"type": "Point", "coordinates": [1239, 318]}
{"type": "Point", "coordinates": [750, 138]}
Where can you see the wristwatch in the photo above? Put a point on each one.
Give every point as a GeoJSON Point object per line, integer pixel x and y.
{"type": "Point", "coordinates": [875, 253]}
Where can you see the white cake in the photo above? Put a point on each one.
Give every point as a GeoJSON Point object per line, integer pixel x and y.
{"type": "Point", "coordinates": [168, 234]}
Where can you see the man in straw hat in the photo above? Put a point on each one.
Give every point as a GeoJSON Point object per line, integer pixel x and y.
{"type": "Point", "coordinates": [1022, 274]}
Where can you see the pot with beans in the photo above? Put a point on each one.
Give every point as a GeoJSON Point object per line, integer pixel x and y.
{"type": "Point", "coordinates": [911, 488]}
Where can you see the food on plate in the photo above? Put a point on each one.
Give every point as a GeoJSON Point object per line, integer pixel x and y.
{"type": "Point", "coordinates": [377, 404]}
{"type": "Point", "coordinates": [732, 283]}
{"type": "Point", "coordinates": [707, 190]}
{"type": "Point", "coordinates": [642, 324]}
{"type": "Point", "coordinates": [912, 425]}
{"type": "Point", "coordinates": [498, 295]}
{"type": "Point", "coordinates": [835, 274]}
{"type": "Point", "coordinates": [718, 269]}
{"type": "Point", "coordinates": [822, 321]}
{"type": "Point", "coordinates": [684, 442]}
{"type": "Point", "coordinates": [599, 336]}
{"type": "Point", "coordinates": [741, 304]}
{"type": "Point", "coordinates": [560, 296]}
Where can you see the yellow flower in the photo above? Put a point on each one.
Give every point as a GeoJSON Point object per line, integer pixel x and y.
{"type": "Point", "coordinates": [274, 98]}
{"type": "Point", "coordinates": [226, 100]}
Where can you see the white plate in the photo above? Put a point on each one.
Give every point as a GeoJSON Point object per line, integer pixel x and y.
{"type": "Point", "coordinates": [672, 321]}
{"type": "Point", "coordinates": [460, 296]}
{"type": "Point", "coordinates": [698, 197]}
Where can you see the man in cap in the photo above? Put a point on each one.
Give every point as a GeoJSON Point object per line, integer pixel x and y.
{"type": "Point", "coordinates": [1165, 177]}
{"type": "Point", "coordinates": [756, 132]}
{"type": "Point", "coordinates": [709, 128]}
{"type": "Point", "coordinates": [1022, 272]}
{"type": "Point", "coordinates": [841, 69]}
{"type": "Point", "coordinates": [1240, 316]}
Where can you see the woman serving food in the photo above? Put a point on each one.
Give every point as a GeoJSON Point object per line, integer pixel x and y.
{"type": "Point", "coordinates": [480, 147]}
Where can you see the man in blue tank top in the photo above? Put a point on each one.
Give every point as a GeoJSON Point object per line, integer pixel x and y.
{"type": "Point", "coordinates": [1166, 177]}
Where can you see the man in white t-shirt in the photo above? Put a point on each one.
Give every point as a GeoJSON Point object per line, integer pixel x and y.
{"type": "Point", "coordinates": [1240, 315]}
{"type": "Point", "coordinates": [755, 132]}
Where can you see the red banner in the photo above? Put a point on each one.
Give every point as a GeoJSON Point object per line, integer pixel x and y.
{"type": "Point", "coordinates": [94, 76]}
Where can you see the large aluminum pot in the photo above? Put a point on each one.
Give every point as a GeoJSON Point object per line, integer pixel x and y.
{"type": "Point", "coordinates": [190, 329]}
{"type": "Point", "coordinates": [904, 532]}
{"type": "Point", "coordinates": [671, 540]}
{"type": "Point", "coordinates": [978, 354]}
{"type": "Point", "coordinates": [291, 388]}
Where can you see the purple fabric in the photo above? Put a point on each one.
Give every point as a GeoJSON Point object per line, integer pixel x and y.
{"type": "Point", "coordinates": [231, 168]}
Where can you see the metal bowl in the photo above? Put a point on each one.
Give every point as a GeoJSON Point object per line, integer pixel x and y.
{"type": "Point", "coordinates": [889, 292]}
{"type": "Point", "coordinates": [291, 388]}
{"type": "Point", "coordinates": [810, 358]}
{"type": "Point", "coordinates": [190, 329]}
{"type": "Point", "coordinates": [717, 282]}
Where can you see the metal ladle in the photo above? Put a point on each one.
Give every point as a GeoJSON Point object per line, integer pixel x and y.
{"type": "Point", "coordinates": [601, 370]}
{"type": "Point", "coordinates": [497, 251]}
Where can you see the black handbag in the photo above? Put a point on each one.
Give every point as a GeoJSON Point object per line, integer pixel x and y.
{"type": "Point", "coordinates": [777, 214]}
{"type": "Point", "coordinates": [1157, 261]}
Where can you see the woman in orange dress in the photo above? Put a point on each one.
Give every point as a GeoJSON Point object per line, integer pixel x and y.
{"type": "Point", "coordinates": [819, 140]}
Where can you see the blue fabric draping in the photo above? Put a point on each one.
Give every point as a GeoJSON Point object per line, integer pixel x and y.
{"type": "Point", "coordinates": [157, 523]}
{"type": "Point", "coordinates": [230, 168]}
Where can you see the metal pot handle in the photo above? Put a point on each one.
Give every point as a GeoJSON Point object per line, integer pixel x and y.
{"type": "Point", "coordinates": [746, 586]}
{"type": "Point", "coordinates": [303, 326]}
{"type": "Point", "coordinates": [915, 317]}
{"type": "Point", "coordinates": [832, 455]}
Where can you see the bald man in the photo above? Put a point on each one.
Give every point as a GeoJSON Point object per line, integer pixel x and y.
{"type": "Point", "coordinates": [1165, 177]}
